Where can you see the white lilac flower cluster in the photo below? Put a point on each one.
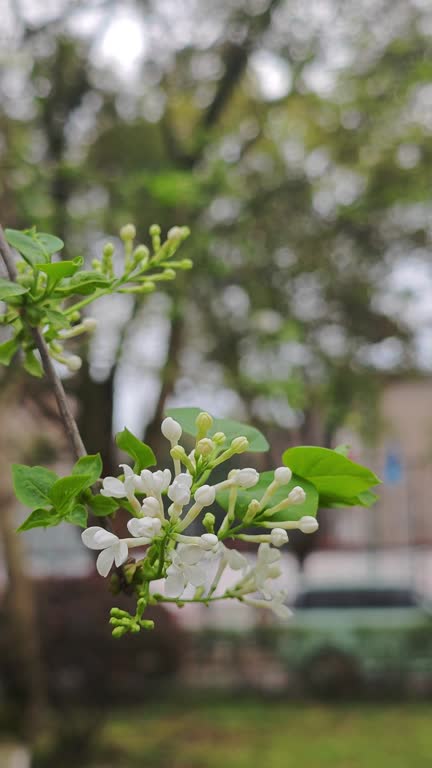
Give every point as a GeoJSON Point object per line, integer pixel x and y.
{"type": "Point", "coordinates": [165, 505]}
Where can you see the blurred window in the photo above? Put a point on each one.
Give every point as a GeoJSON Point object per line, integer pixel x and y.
{"type": "Point", "coordinates": [357, 598]}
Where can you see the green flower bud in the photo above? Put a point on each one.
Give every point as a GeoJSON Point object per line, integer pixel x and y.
{"type": "Point", "coordinates": [108, 250]}
{"type": "Point", "coordinates": [203, 422]}
{"type": "Point", "coordinates": [147, 624]}
{"type": "Point", "coordinates": [155, 230]}
{"type": "Point", "coordinates": [205, 446]}
{"type": "Point", "coordinates": [219, 438]}
{"type": "Point", "coordinates": [209, 521]}
{"type": "Point", "coordinates": [240, 444]}
{"type": "Point", "coordinates": [96, 265]}
{"type": "Point", "coordinates": [169, 274]}
{"type": "Point", "coordinates": [119, 632]}
{"type": "Point", "coordinates": [128, 232]}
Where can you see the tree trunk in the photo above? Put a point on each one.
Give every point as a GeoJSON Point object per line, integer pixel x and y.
{"type": "Point", "coordinates": [22, 637]}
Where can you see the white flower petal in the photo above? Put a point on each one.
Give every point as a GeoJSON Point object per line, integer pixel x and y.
{"type": "Point", "coordinates": [127, 470]}
{"type": "Point", "coordinates": [235, 560]}
{"type": "Point", "coordinates": [96, 537]}
{"type": "Point", "coordinates": [120, 553]}
{"type": "Point", "coordinates": [174, 584]}
{"type": "Point", "coordinates": [136, 527]}
{"type": "Point", "coordinates": [281, 610]}
{"type": "Point", "coordinates": [114, 487]}
{"type": "Point", "coordinates": [184, 478]}
{"type": "Point", "coordinates": [105, 561]}
{"type": "Point", "coordinates": [190, 554]}
{"type": "Point", "coordinates": [195, 574]}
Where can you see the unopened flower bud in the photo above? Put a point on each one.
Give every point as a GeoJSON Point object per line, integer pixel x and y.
{"type": "Point", "coordinates": [155, 230]}
{"type": "Point", "coordinates": [168, 274]}
{"type": "Point", "coordinates": [219, 438]}
{"type": "Point", "coordinates": [119, 631]}
{"type": "Point", "coordinates": [240, 444]}
{"type": "Point", "coordinates": [178, 452]}
{"type": "Point", "coordinates": [282, 475]}
{"type": "Point", "coordinates": [297, 495]}
{"type": "Point", "coordinates": [252, 510]}
{"type": "Point", "coordinates": [128, 232]}
{"type": "Point", "coordinates": [108, 250]}
{"type": "Point", "coordinates": [74, 363]}
{"type": "Point", "coordinates": [203, 422]}
{"type": "Point", "coordinates": [96, 265]}
{"type": "Point", "coordinates": [308, 524]}
{"type": "Point", "coordinates": [205, 495]}
{"type": "Point", "coordinates": [278, 537]}
{"type": "Point", "coordinates": [89, 324]}
{"type": "Point", "coordinates": [74, 316]}
{"type": "Point", "coordinates": [174, 233]}
{"type": "Point", "coordinates": [141, 252]}
{"type": "Point", "coordinates": [185, 264]}
{"type": "Point", "coordinates": [171, 429]}
{"type": "Point", "coordinates": [209, 540]}
{"type": "Point", "coordinates": [205, 446]}
{"type": "Point", "coordinates": [247, 477]}
{"type": "Point", "coordinates": [209, 521]}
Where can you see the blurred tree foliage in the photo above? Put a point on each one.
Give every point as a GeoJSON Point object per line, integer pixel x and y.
{"type": "Point", "coordinates": [293, 138]}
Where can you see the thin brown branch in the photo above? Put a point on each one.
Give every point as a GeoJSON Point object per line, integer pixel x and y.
{"type": "Point", "coordinates": [66, 414]}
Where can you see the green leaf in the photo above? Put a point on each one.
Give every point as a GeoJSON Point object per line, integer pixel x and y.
{"type": "Point", "coordinates": [8, 289]}
{"type": "Point", "coordinates": [50, 244]}
{"type": "Point", "coordinates": [295, 512]}
{"type": "Point", "coordinates": [83, 283]}
{"type": "Point", "coordinates": [140, 452]}
{"type": "Point", "coordinates": [41, 518]}
{"type": "Point", "coordinates": [32, 365]}
{"type": "Point", "coordinates": [365, 499]}
{"type": "Point", "coordinates": [336, 478]}
{"type": "Point", "coordinates": [89, 465]}
{"type": "Point", "coordinates": [101, 506]}
{"type": "Point", "coordinates": [58, 270]}
{"type": "Point", "coordinates": [56, 319]}
{"type": "Point", "coordinates": [187, 416]}
{"type": "Point", "coordinates": [64, 491]}
{"type": "Point", "coordinates": [31, 250]}
{"type": "Point", "coordinates": [32, 485]}
{"type": "Point", "coordinates": [77, 516]}
{"type": "Point", "coordinates": [8, 350]}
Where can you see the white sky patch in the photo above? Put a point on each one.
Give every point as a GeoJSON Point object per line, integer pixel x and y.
{"type": "Point", "coordinates": [123, 43]}
{"type": "Point", "coordinates": [273, 75]}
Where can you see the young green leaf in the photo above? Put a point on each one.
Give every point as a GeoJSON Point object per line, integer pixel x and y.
{"type": "Point", "coordinates": [27, 245]}
{"type": "Point", "coordinates": [58, 270]}
{"type": "Point", "coordinates": [65, 490]}
{"type": "Point", "coordinates": [50, 244]}
{"type": "Point", "coordinates": [32, 365]}
{"type": "Point", "coordinates": [89, 465]}
{"type": "Point", "coordinates": [8, 350]}
{"type": "Point", "coordinates": [41, 518]}
{"type": "Point", "coordinates": [140, 452]}
{"type": "Point", "coordinates": [101, 506]}
{"type": "Point", "coordinates": [9, 289]}
{"type": "Point", "coordinates": [336, 478]}
{"type": "Point", "coordinates": [295, 512]}
{"type": "Point", "coordinates": [187, 416]}
{"type": "Point", "coordinates": [83, 283]}
{"type": "Point", "coordinates": [32, 485]}
{"type": "Point", "coordinates": [77, 516]}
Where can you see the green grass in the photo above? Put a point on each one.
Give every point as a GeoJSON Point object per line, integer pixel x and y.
{"type": "Point", "coordinates": [269, 734]}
